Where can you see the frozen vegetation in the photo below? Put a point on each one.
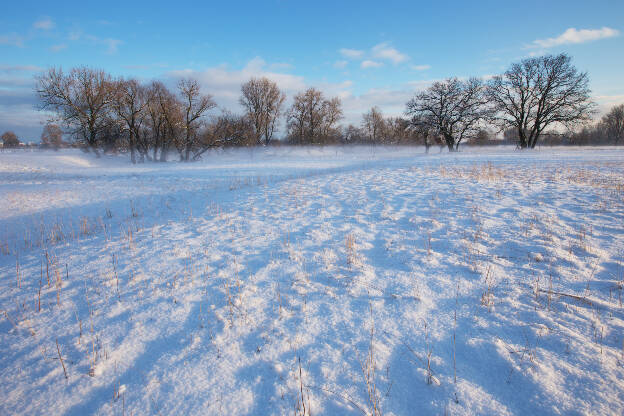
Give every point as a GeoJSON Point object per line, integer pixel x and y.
{"type": "Point", "coordinates": [308, 281]}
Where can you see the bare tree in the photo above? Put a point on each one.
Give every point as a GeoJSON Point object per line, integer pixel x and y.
{"type": "Point", "coordinates": [455, 109]}
{"type": "Point", "coordinates": [153, 132]}
{"type": "Point", "coordinates": [482, 138]}
{"type": "Point", "coordinates": [262, 100]}
{"type": "Point", "coordinates": [171, 111]}
{"type": "Point", "coordinates": [227, 130]}
{"type": "Point", "coordinates": [353, 134]}
{"type": "Point", "coordinates": [9, 139]}
{"type": "Point", "coordinates": [613, 123]}
{"type": "Point", "coordinates": [194, 105]}
{"type": "Point", "coordinates": [374, 124]}
{"type": "Point", "coordinates": [312, 118]}
{"type": "Point", "coordinates": [80, 98]}
{"type": "Point", "coordinates": [129, 104]}
{"type": "Point", "coordinates": [536, 93]}
{"type": "Point", "coordinates": [332, 113]}
{"type": "Point", "coordinates": [52, 136]}
{"type": "Point", "coordinates": [425, 132]}
{"type": "Point", "coordinates": [397, 131]}
{"type": "Point", "coordinates": [305, 115]}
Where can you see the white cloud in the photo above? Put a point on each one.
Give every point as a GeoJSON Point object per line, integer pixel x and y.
{"type": "Point", "coordinates": [224, 83]}
{"type": "Point", "coordinates": [390, 101]}
{"type": "Point", "coordinates": [58, 48]}
{"type": "Point", "coordinates": [351, 53]}
{"type": "Point", "coordinates": [572, 36]}
{"type": "Point", "coordinates": [18, 100]}
{"type": "Point", "coordinates": [24, 120]}
{"type": "Point", "coordinates": [281, 66]}
{"type": "Point", "coordinates": [387, 52]}
{"type": "Point", "coordinates": [75, 35]}
{"type": "Point", "coordinates": [12, 39]}
{"type": "Point", "coordinates": [44, 24]}
{"type": "Point", "coordinates": [19, 68]}
{"type": "Point", "coordinates": [370, 64]}
{"type": "Point", "coordinates": [606, 102]}
{"type": "Point", "coordinates": [112, 45]}
{"type": "Point", "coordinates": [372, 59]}
{"type": "Point", "coordinates": [340, 89]}
{"type": "Point", "coordinates": [420, 67]}
{"type": "Point", "coordinates": [423, 84]}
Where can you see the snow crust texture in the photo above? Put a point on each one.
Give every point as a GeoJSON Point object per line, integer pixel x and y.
{"type": "Point", "coordinates": [313, 281]}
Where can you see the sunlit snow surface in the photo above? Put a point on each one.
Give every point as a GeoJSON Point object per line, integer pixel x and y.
{"type": "Point", "coordinates": [202, 288]}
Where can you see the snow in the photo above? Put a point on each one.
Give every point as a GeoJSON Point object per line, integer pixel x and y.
{"type": "Point", "coordinates": [484, 282]}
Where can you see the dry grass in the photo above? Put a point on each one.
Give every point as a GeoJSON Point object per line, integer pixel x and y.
{"type": "Point", "coordinates": [350, 249]}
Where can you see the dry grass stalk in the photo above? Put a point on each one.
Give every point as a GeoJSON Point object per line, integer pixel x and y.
{"type": "Point", "coordinates": [47, 268]}
{"type": "Point", "coordinates": [487, 296]}
{"type": "Point", "coordinates": [58, 349]}
{"type": "Point", "coordinates": [350, 248]}
{"type": "Point", "coordinates": [369, 367]}
{"type": "Point", "coordinates": [454, 333]}
{"type": "Point", "coordinates": [428, 352]}
{"type": "Point", "coordinates": [116, 277]}
{"type": "Point", "coordinates": [17, 273]}
{"type": "Point", "coordinates": [300, 406]}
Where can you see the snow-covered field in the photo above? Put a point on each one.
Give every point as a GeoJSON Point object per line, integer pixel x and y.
{"type": "Point", "coordinates": [313, 281]}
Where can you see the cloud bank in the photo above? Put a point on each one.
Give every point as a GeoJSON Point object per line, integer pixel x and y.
{"type": "Point", "coordinates": [574, 36]}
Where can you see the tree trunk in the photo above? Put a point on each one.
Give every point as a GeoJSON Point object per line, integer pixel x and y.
{"type": "Point", "coordinates": [93, 144]}
{"type": "Point", "coordinates": [534, 139]}
{"type": "Point", "coordinates": [522, 141]}
{"type": "Point", "coordinates": [450, 142]}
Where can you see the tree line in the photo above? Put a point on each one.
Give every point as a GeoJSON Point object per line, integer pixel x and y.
{"type": "Point", "coordinates": [151, 121]}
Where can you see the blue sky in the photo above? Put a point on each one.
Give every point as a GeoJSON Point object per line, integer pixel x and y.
{"type": "Point", "coordinates": [368, 53]}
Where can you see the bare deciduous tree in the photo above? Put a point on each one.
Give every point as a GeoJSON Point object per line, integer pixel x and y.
{"type": "Point", "coordinates": [154, 132]}
{"type": "Point", "coordinates": [9, 140]}
{"type": "Point", "coordinates": [455, 109]}
{"type": "Point", "coordinates": [427, 133]}
{"type": "Point", "coordinates": [52, 136]}
{"type": "Point", "coordinates": [613, 123]}
{"type": "Point", "coordinates": [304, 117]}
{"type": "Point", "coordinates": [374, 125]}
{"type": "Point", "coordinates": [170, 109]}
{"type": "Point", "coordinates": [312, 118]}
{"type": "Point", "coordinates": [332, 113]}
{"type": "Point", "coordinates": [353, 134]}
{"type": "Point", "coordinates": [194, 105]}
{"type": "Point", "coordinates": [129, 104]}
{"type": "Point", "coordinates": [227, 130]}
{"type": "Point", "coordinates": [482, 137]}
{"type": "Point", "coordinates": [80, 98]}
{"type": "Point", "coordinates": [536, 93]}
{"type": "Point", "coordinates": [262, 100]}
{"type": "Point", "coordinates": [397, 131]}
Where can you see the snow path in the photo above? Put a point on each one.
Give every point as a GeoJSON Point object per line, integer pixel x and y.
{"type": "Point", "coordinates": [204, 294]}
